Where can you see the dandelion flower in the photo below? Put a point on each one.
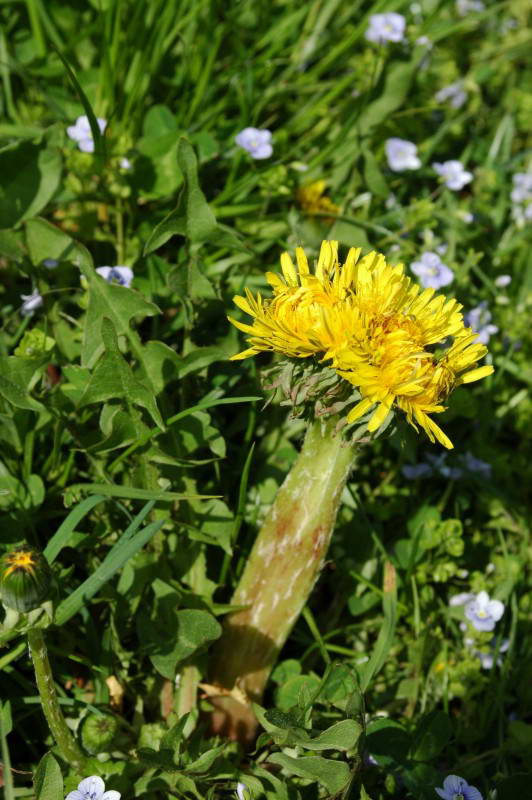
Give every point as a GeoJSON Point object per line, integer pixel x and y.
{"type": "Point", "coordinates": [313, 200]}
{"type": "Point", "coordinates": [401, 347]}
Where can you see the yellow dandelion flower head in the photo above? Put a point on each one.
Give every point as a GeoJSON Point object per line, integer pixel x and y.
{"type": "Point", "coordinates": [313, 200]}
{"type": "Point", "coordinates": [400, 346]}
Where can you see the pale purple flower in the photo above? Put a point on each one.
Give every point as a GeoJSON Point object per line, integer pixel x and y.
{"type": "Point", "coordinates": [460, 599]}
{"type": "Point", "coordinates": [256, 141]}
{"type": "Point", "coordinates": [483, 612]}
{"type": "Point", "coordinates": [480, 468]}
{"type": "Point", "coordinates": [424, 41]}
{"type": "Point", "coordinates": [388, 27]}
{"type": "Point", "coordinates": [454, 94]}
{"type": "Point", "coordinates": [522, 190]}
{"type": "Point", "coordinates": [465, 216]}
{"type": "Point", "coordinates": [488, 660]}
{"type": "Point", "coordinates": [81, 133]}
{"type": "Point", "coordinates": [125, 163]}
{"type": "Point", "coordinates": [122, 275]}
{"type": "Point", "coordinates": [501, 281]}
{"type": "Point", "coordinates": [31, 303]}
{"type": "Point", "coordinates": [92, 788]}
{"type": "Point", "coordinates": [414, 471]}
{"type": "Point", "coordinates": [50, 263]}
{"type": "Point", "coordinates": [479, 319]}
{"type": "Point", "coordinates": [453, 173]}
{"type": "Point", "coordinates": [242, 791]}
{"type": "Point", "coordinates": [401, 154]}
{"type": "Point", "coordinates": [465, 7]}
{"type": "Point", "coordinates": [431, 271]}
{"type": "Point", "coordinates": [456, 788]}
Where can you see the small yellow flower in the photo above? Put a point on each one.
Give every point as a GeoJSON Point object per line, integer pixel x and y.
{"type": "Point", "coordinates": [313, 200]}
{"type": "Point", "coordinates": [400, 346]}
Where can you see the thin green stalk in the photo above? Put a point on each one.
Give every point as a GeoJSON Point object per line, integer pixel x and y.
{"type": "Point", "coordinates": [50, 705]}
{"type": "Point", "coordinates": [36, 27]}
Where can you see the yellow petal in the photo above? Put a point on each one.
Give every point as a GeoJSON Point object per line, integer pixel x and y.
{"type": "Point", "coordinates": [360, 409]}
{"type": "Point", "coordinates": [477, 374]}
{"type": "Point", "coordinates": [378, 417]}
{"type": "Point", "coordinates": [289, 271]}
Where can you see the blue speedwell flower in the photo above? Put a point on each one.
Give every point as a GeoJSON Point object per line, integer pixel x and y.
{"type": "Point", "coordinates": [81, 133]}
{"type": "Point", "coordinates": [401, 154]}
{"type": "Point", "coordinates": [483, 612]}
{"type": "Point", "coordinates": [31, 303]}
{"type": "Point", "coordinates": [456, 788]}
{"type": "Point", "coordinates": [479, 319]}
{"type": "Point", "coordinates": [92, 788]}
{"type": "Point", "coordinates": [122, 275]}
{"type": "Point", "coordinates": [431, 271]}
{"type": "Point", "coordinates": [256, 141]}
{"type": "Point", "coordinates": [454, 94]}
{"type": "Point", "coordinates": [453, 174]}
{"type": "Point", "coordinates": [388, 27]}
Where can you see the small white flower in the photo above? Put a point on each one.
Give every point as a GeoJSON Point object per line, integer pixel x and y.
{"type": "Point", "coordinates": [92, 788]}
{"type": "Point", "coordinates": [453, 173]}
{"type": "Point", "coordinates": [388, 27]}
{"type": "Point", "coordinates": [465, 7]}
{"type": "Point", "coordinates": [122, 275]}
{"type": "Point", "coordinates": [465, 216]}
{"type": "Point", "coordinates": [401, 154]}
{"type": "Point", "coordinates": [125, 163]}
{"type": "Point", "coordinates": [501, 281]}
{"type": "Point", "coordinates": [31, 303]}
{"type": "Point", "coordinates": [257, 141]}
{"type": "Point", "coordinates": [454, 93]}
{"type": "Point", "coordinates": [81, 133]}
{"type": "Point", "coordinates": [424, 41]}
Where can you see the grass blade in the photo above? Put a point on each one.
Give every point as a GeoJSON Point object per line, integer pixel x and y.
{"type": "Point", "coordinates": [68, 526]}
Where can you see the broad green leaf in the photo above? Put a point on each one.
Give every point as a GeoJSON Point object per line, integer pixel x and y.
{"type": "Point", "coordinates": [48, 241]}
{"type": "Point", "coordinates": [342, 735]}
{"type": "Point", "coordinates": [157, 173]}
{"type": "Point", "coordinates": [48, 780]}
{"type": "Point", "coordinates": [113, 378]}
{"type": "Point", "coordinates": [16, 374]}
{"type": "Point", "coordinates": [162, 363]}
{"type": "Point", "coordinates": [432, 734]}
{"type": "Point", "coordinates": [173, 224]}
{"type": "Point", "coordinates": [200, 220]}
{"type": "Point", "coordinates": [334, 775]}
{"type": "Point", "coordinates": [119, 304]}
{"type": "Point", "coordinates": [373, 176]}
{"type": "Point", "coordinates": [30, 176]}
{"type": "Point", "coordinates": [396, 86]}
{"type": "Point", "coordinates": [171, 636]}
{"type": "Point", "coordinates": [387, 741]}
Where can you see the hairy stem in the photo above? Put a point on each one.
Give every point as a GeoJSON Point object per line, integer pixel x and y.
{"type": "Point", "coordinates": [280, 573]}
{"type": "Point", "coordinates": [50, 705]}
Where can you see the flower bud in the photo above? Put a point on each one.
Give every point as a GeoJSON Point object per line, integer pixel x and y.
{"type": "Point", "coordinates": [98, 732]}
{"type": "Point", "coordinates": [25, 578]}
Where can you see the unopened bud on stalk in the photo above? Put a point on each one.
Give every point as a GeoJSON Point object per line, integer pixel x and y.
{"type": "Point", "coordinates": [98, 732]}
{"type": "Point", "coordinates": [25, 579]}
